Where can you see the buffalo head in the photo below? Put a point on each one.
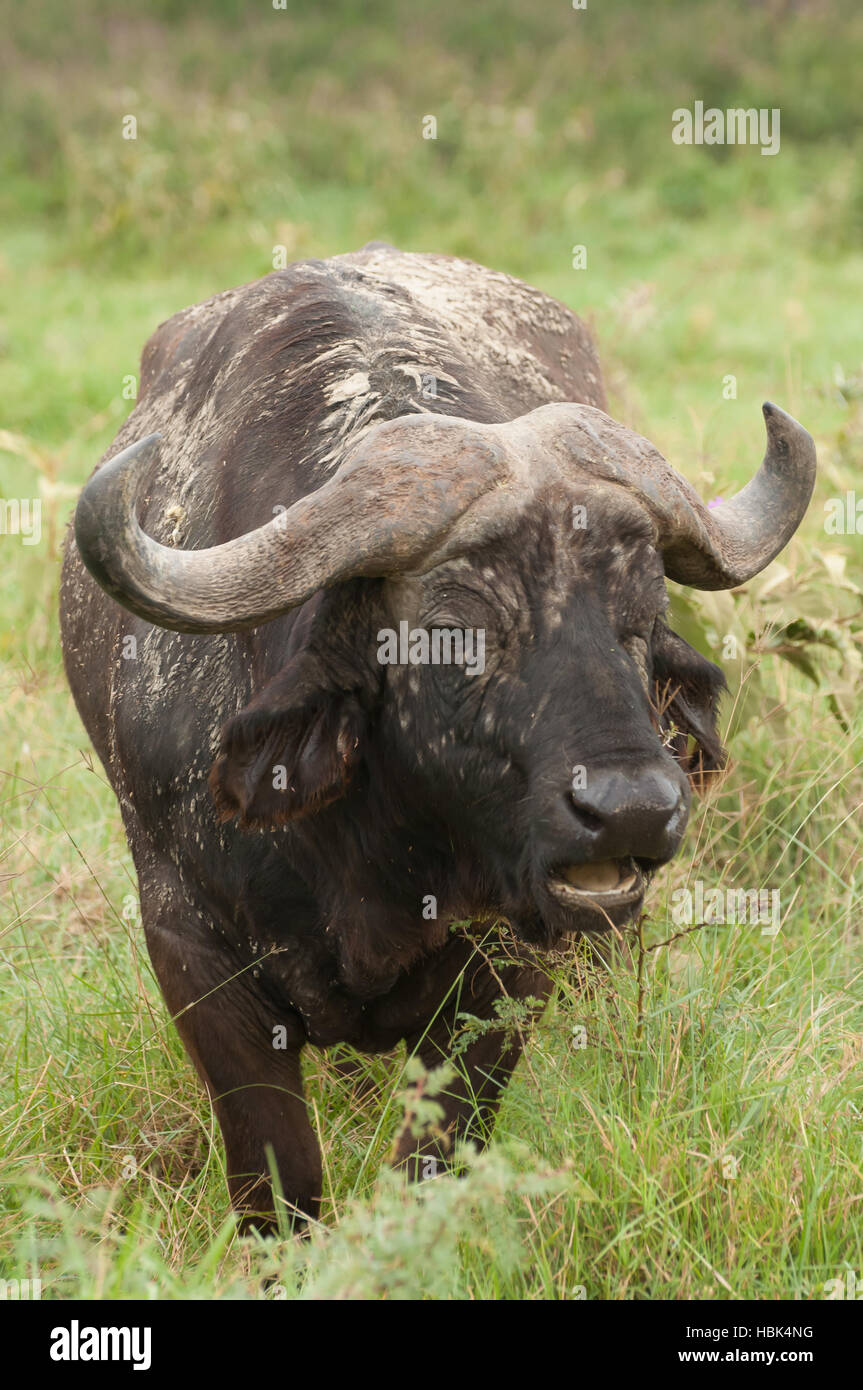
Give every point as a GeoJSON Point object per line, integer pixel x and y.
{"type": "Point", "coordinates": [553, 757]}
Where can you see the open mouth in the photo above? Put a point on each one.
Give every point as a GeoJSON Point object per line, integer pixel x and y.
{"type": "Point", "coordinates": [608, 883]}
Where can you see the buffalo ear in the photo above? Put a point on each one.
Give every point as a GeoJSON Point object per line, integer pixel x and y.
{"type": "Point", "coordinates": [687, 690]}
{"type": "Point", "coordinates": [278, 763]}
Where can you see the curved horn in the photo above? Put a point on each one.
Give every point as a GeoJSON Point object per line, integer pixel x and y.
{"type": "Point", "coordinates": [723, 546]}
{"type": "Point", "coordinates": [705, 547]}
{"type": "Point", "coordinates": [384, 512]}
{"type": "Point", "coordinates": [420, 488]}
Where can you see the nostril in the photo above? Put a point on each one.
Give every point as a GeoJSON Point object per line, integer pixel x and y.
{"type": "Point", "coordinates": [589, 819]}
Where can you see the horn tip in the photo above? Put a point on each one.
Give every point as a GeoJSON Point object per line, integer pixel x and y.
{"type": "Point", "coordinates": [774, 413]}
{"type": "Point", "coordinates": [781, 425]}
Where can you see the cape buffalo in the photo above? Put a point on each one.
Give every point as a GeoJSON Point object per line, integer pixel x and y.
{"type": "Point", "coordinates": [365, 615]}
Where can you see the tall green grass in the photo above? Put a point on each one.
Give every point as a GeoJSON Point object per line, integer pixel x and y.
{"type": "Point", "coordinates": [704, 1142]}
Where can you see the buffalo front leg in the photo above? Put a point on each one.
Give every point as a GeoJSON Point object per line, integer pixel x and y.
{"type": "Point", "coordinates": [249, 1060]}
{"type": "Point", "coordinates": [470, 1100]}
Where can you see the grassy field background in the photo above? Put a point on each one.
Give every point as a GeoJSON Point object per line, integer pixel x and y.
{"type": "Point", "coordinates": [705, 1141]}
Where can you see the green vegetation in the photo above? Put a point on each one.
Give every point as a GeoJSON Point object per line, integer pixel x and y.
{"type": "Point", "coordinates": [705, 1142]}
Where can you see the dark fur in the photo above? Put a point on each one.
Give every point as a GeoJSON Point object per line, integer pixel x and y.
{"type": "Point", "coordinates": [304, 908]}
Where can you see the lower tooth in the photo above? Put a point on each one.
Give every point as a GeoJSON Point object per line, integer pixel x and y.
{"type": "Point", "coordinates": [592, 878]}
{"type": "Point", "coordinates": [599, 878]}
